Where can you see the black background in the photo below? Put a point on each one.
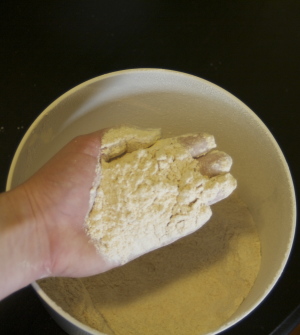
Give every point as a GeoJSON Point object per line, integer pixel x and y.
{"type": "Point", "coordinates": [250, 48]}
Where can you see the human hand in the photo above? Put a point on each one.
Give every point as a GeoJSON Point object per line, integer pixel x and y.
{"type": "Point", "coordinates": [42, 222]}
{"type": "Point", "coordinates": [59, 195]}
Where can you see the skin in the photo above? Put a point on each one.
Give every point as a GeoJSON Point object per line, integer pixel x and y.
{"type": "Point", "coordinates": [42, 221]}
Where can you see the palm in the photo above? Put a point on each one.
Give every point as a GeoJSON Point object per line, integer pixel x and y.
{"type": "Point", "coordinates": [60, 193]}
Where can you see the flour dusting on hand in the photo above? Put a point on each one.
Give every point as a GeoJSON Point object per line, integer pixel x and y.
{"type": "Point", "coordinates": [151, 193]}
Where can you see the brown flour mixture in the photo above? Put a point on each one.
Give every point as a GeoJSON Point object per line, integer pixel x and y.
{"type": "Point", "coordinates": [189, 287]}
{"type": "Point", "coordinates": [153, 191]}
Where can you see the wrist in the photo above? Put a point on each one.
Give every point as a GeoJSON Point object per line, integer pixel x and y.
{"type": "Point", "coordinates": [22, 241]}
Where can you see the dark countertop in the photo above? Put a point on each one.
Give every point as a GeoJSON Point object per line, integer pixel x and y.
{"type": "Point", "coordinates": [250, 48]}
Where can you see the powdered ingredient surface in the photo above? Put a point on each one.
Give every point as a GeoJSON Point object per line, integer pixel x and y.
{"type": "Point", "coordinates": [152, 195]}
{"type": "Point", "coordinates": [189, 287]}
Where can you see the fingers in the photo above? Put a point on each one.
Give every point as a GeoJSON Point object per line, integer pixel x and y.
{"type": "Point", "coordinates": [89, 144]}
{"type": "Point", "coordinates": [197, 144]}
{"type": "Point", "coordinates": [214, 163]}
{"type": "Point", "coordinates": [117, 141]}
{"type": "Point", "coordinates": [219, 188]}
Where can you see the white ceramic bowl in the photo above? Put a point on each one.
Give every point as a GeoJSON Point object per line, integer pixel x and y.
{"type": "Point", "coordinates": [178, 103]}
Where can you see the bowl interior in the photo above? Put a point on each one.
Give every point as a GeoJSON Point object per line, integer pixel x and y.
{"type": "Point", "coordinates": [180, 103]}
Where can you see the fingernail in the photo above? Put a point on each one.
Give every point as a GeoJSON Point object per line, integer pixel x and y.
{"type": "Point", "coordinates": [197, 144]}
{"type": "Point", "coordinates": [214, 163]}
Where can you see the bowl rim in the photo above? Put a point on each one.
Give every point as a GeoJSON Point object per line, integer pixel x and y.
{"type": "Point", "coordinates": [56, 308]}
